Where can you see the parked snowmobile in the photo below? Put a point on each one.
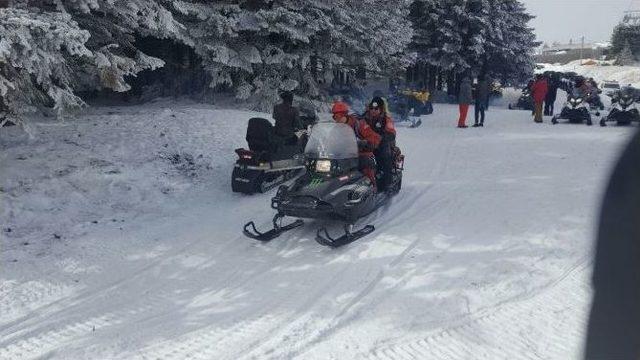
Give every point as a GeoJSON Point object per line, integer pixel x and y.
{"type": "Point", "coordinates": [525, 101]}
{"type": "Point", "coordinates": [270, 160]}
{"type": "Point", "coordinates": [409, 105]}
{"type": "Point", "coordinates": [624, 107]}
{"type": "Point", "coordinates": [575, 109]}
{"type": "Point", "coordinates": [332, 188]}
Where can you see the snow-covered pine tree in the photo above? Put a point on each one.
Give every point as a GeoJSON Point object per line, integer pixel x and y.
{"type": "Point", "coordinates": [38, 51]}
{"type": "Point", "coordinates": [510, 42]}
{"type": "Point", "coordinates": [473, 36]}
{"type": "Point", "coordinates": [257, 48]}
{"type": "Point", "coordinates": [623, 35]}
{"type": "Point", "coordinates": [626, 56]}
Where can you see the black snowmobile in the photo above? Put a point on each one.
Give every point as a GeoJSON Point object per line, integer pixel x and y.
{"type": "Point", "coordinates": [525, 101]}
{"type": "Point", "coordinates": [332, 188]}
{"type": "Point", "coordinates": [624, 107]}
{"type": "Point", "coordinates": [270, 160]}
{"type": "Point", "coordinates": [575, 109]}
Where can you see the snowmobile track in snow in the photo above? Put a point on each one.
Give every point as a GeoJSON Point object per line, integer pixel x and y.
{"type": "Point", "coordinates": [468, 340]}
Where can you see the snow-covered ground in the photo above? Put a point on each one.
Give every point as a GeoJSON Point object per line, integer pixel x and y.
{"type": "Point", "coordinates": [121, 239]}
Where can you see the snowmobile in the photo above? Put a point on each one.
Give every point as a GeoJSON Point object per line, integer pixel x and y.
{"type": "Point", "coordinates": [406, 108]}
{"type": "Point", "coordinates": [270, 160]}
{"type": "Point", "coordinates": [525, 101]}
{"type": "Point", "coordinates": [575, 109]}
{"type": "Point", "coordinates": [332, 188]}
{"type": "Point", "coordinates": [624, 107]}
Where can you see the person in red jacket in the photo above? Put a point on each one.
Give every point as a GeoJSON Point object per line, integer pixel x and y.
{"type": "Point", "coordinates": [380, 121]}
{"type": "Point", "coordinates": [368, 139]}
{"type": "Point", "coordinates": [539, 93]}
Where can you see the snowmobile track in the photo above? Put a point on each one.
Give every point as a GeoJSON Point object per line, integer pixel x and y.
{"type": "Point", "coordinates": [516, 341]}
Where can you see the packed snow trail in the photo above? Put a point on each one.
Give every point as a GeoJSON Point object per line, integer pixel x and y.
{"type": "Point", "coordinates": [484, 252]}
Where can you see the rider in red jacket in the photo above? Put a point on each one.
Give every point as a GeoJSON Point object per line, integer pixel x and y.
{"type": "Point", "coordinates": [369, 139]}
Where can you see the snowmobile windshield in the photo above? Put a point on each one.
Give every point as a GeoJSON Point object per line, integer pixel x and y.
{"type": "Point", "coordinates": [331, 140]}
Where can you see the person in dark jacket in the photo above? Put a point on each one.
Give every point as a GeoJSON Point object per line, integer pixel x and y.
{"type": "Point", "coordinates": [482, 98]}
{"type": "Point", "coordinates": [465, 97]}
{"type": "Point", "coordinates": [379, 120]}
{"type": "Point", "coordinates": [614, 322]}
{"type": "Point", "coordinates": [287, 119]}
{"type": "Point", "coordinates": [552, 93]}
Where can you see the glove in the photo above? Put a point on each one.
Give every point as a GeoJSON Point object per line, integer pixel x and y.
{"type": "Point", "coordinates": [363, 144]}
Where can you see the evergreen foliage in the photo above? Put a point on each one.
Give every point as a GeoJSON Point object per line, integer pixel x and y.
{"type": "Point", "coordinates": [51, 50]}
{"type": "Point", "coordinates": [625, 35]}
{"type": "Point", "coordinates": [490, 37]}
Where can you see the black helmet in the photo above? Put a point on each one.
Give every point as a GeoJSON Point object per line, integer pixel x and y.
{"type": "Point", "coordinates": [377, 102]}
{"type": "Point", "coordinates": [286, 96]}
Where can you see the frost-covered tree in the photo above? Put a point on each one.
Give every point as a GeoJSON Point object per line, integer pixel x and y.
{"type": "Point", "coordinates": [255, 48]}
{"type": "Point", "coordinates": [623, 35]}
{"type": "Point", "coordinates": [473, 36]}
{"type": "Point", "coordinates": [626, 56]}
{"type": "Point", "coordinates": [510, 42]}
{"type": "Point", "coordinates": [38, 54]}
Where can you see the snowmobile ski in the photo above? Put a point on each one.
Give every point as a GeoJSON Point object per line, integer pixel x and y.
{"type": "Point", "coordinates": [416, 123]}
{"type": "Point", "coordinates": [251, 231]}
{"type": "Point", "coordinates": [323, 237]}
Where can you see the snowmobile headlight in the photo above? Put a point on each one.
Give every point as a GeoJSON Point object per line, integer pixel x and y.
{"type": "Point", "coordinates": [578, 101]}
{"type": "Point", "coordinates": [323, 166]}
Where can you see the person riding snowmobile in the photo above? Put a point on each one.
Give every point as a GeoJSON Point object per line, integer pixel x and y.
{"type": "Point", "coordinates": [287, 119]}
{"type": "Point", "coordinates": [380, 121]}
{"type": "Point", "coordinates": [368, 139]}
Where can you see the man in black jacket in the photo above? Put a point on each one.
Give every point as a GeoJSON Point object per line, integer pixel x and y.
{"type": "Point", "coordinates": [552, 94]}
{"type": "Point", "coordinates": [287, 119]}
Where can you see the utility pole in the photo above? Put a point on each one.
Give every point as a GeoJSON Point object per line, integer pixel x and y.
{"type": "Point", "coordinates": [581, 49]}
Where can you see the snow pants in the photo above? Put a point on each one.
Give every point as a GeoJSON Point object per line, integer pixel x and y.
{"type": "Point", "coordinates": [537, 112]}
{"type": "Point", "coordinates": [367, 165]}
{"type": "Point", "coordinates": [464, 109]}
{"type": "Point", "coordinates": [479, 108]}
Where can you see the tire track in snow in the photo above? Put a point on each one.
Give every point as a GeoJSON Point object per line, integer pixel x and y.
{"type": "Point", "coordinates": [20, 299]}
{"type": "Point", "coordinates": [342, 316]}
{"type": "Point", "coordinates": [29, 344]}
{"type": "Point", "coordinates": [68, 305]}
{"type": "Point", "coordinates": [483, 335]}
{"type": "Point", "coordinates": [239, 340]}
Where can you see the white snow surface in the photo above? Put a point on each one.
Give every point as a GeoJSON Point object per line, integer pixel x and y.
{"type": "Point", "coordinates": [121, 239]}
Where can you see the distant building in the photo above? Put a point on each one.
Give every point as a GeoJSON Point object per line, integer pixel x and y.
{"type": "Point", "coordinates": [564, 53]}
{"type": "Point", "coordinates": [631, 18]}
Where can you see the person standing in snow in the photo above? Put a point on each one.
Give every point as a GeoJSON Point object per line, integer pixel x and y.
{"type": "Point", "coordinates": [482, 98]}
{"type": "Point", "coordinates": [368, 139]}
{"type": "Point", "coordinates": [550, 99]}
{"type": "Point", "coordinates": [539, 92]}
{"type": "Point", "coordinates": [287, 119]}
{"type": "Point", "coordinates": [464, 99]}
{"type": "Point", "coordinates": [379, 120]}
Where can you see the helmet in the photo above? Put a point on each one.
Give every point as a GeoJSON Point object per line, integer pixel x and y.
{"type": "Point", "coordinates": [377, 102]}
{"type": "Point", "coordinates": [340, 108]}
{"type": "Point", "coordinates": [287, 96]}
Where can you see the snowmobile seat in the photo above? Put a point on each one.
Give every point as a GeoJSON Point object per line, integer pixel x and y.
{"type": "Point", "coordinates": [261, 136]}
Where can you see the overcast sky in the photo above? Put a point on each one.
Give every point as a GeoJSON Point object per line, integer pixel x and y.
{"type": "Point", "coordinates": [561, 20]}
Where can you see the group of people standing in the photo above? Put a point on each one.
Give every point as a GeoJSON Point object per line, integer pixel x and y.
{"type": "Point", "coordinates": [480, 101]}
